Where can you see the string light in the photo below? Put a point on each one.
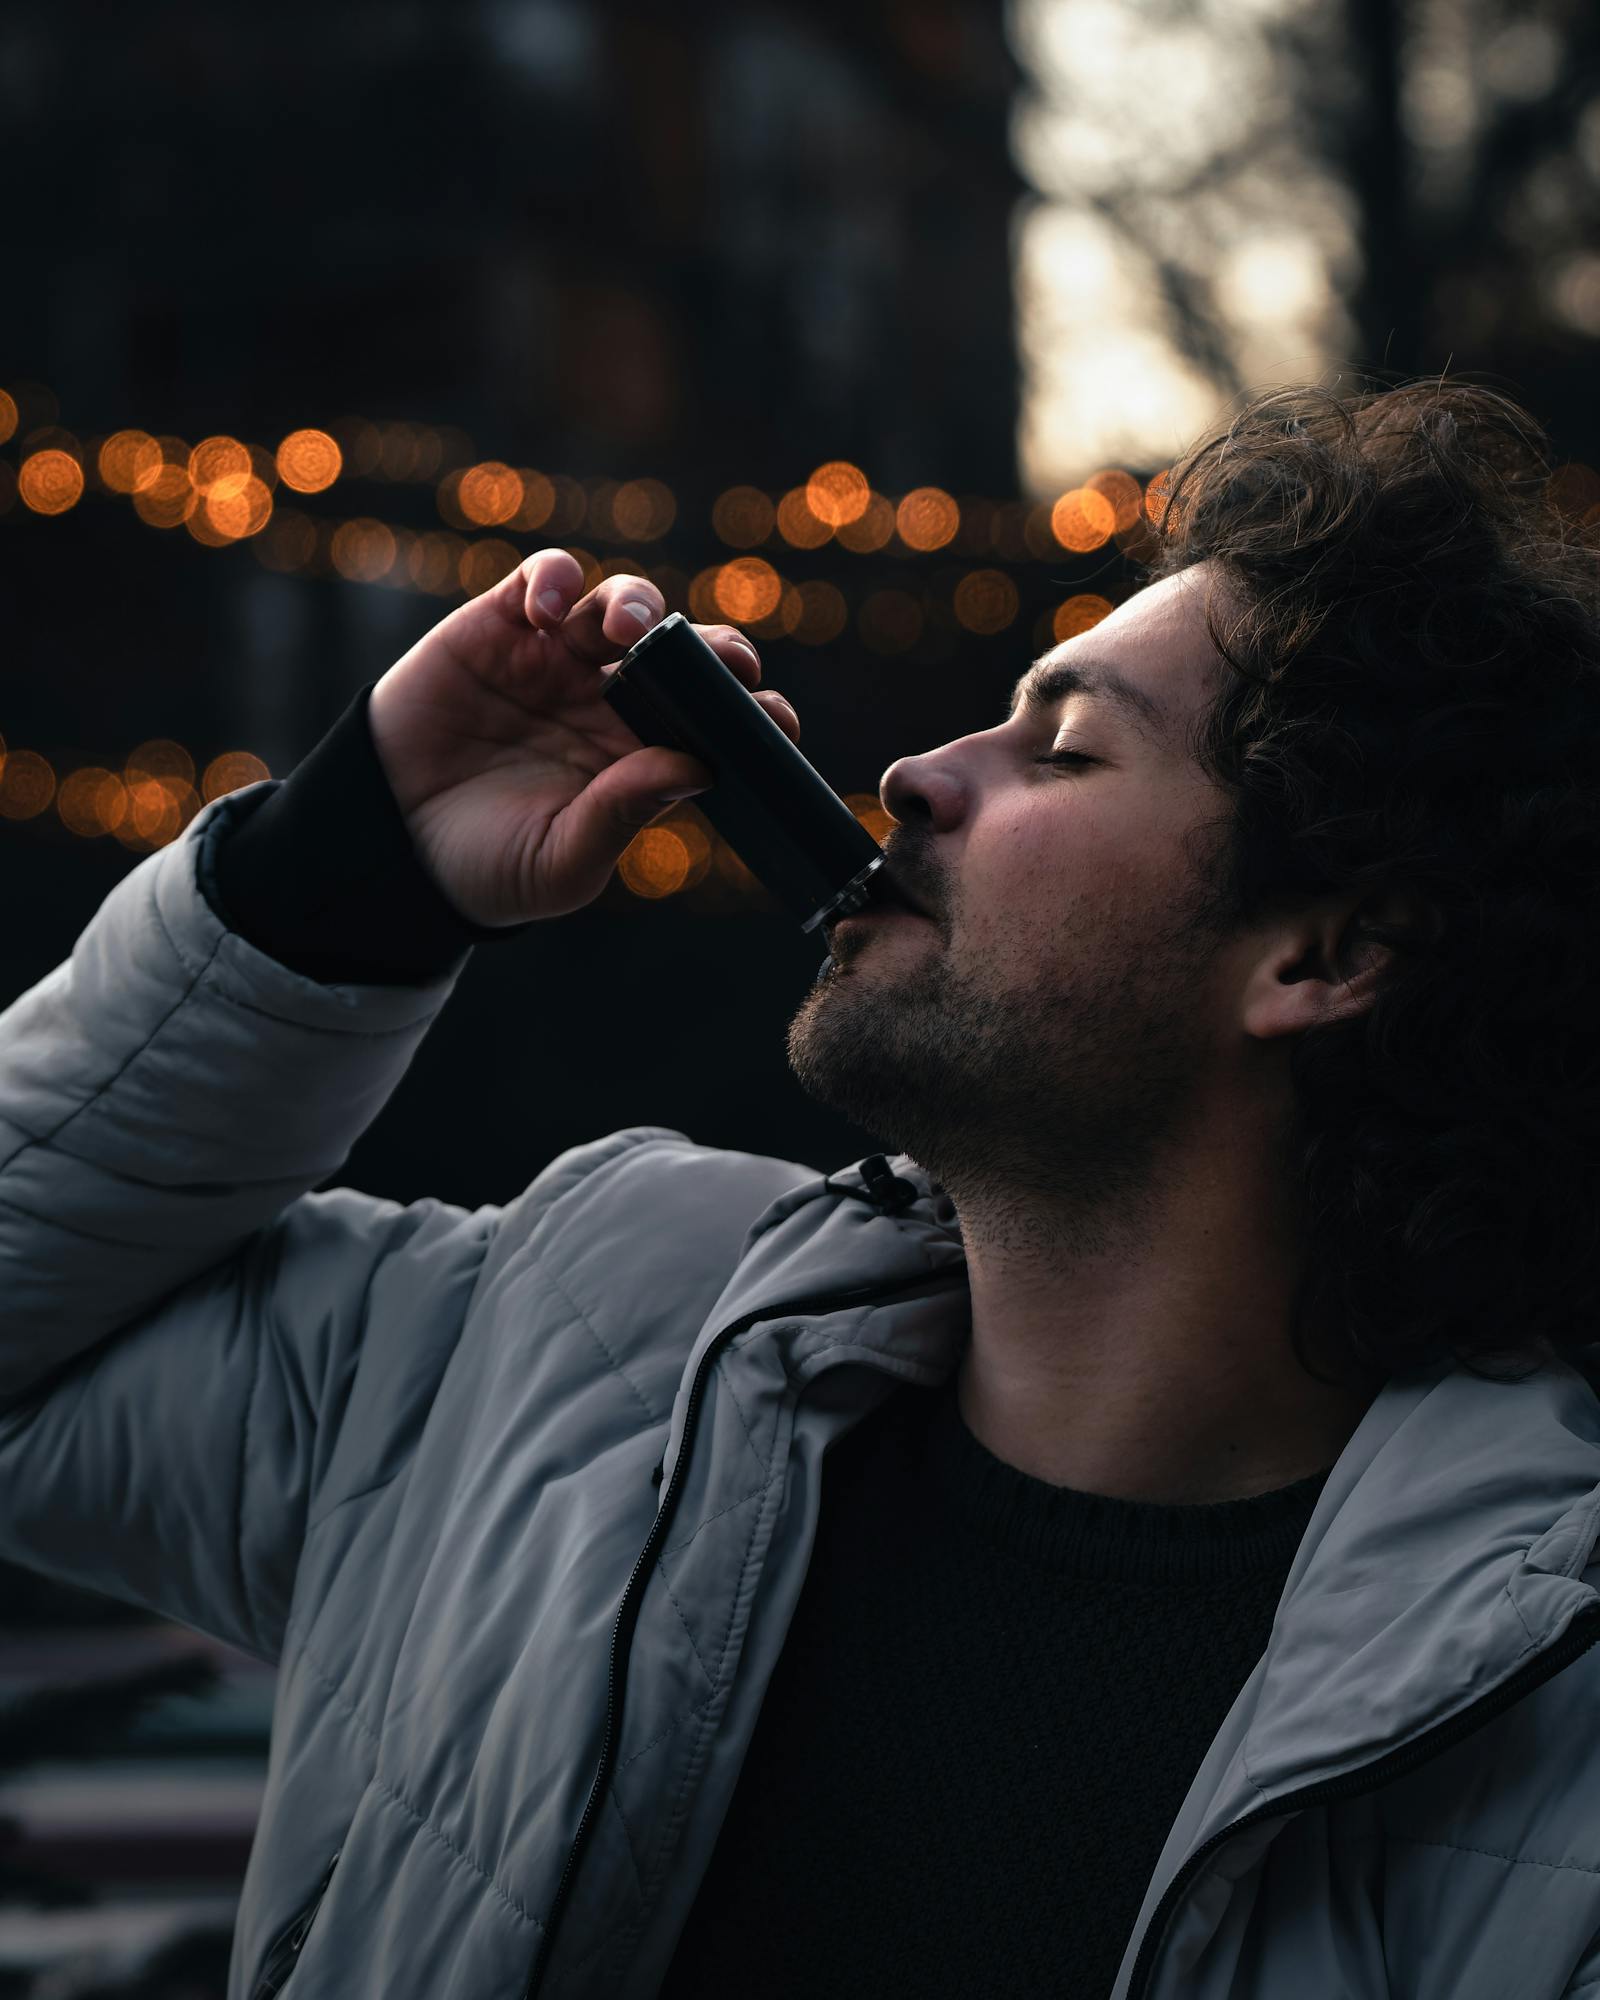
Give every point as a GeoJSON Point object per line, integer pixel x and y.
{"type": "Point", "coordinates": [309, 461]}
{"type": "Point", "coordinates": [222, 490]}
{"type": "Point", "coordinates": [50, 482]}
{"type": "Point", "coordinates": [927, 518]}
{"type": "Point", "coordinates": [838, 493]}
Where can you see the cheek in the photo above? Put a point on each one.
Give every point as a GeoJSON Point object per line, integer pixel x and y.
{"type": "Point", "coordinates": [1045, 877]}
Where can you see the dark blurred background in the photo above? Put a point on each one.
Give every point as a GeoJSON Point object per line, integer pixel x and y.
{"type": "Point", "coordinates": [865, 328]}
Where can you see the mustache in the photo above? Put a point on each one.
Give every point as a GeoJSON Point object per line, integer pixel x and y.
{"type": "Point", "coordinates": [910, 878]}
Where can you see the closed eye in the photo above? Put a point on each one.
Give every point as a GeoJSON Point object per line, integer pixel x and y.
{"type": "Point", "coordinates": [1065, 757]}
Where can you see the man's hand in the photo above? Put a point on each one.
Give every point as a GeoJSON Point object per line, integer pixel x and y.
{"type": "Point", "coordinates": [519, 782]}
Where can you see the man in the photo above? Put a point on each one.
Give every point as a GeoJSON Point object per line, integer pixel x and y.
{"type": "Point", "coordinates": [1138, 1540]}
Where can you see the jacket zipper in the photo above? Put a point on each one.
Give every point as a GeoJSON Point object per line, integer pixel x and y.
{"type": "Point", "coordinates": [285, 1953]}
{"type": "Point", "coordinates": [628, 1609]}
{"type": "Point", "coordinates": [1579, 1636]}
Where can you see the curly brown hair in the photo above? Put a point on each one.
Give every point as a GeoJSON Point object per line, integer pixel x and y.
{"type": "Point", "coordinates": [1409, 604]}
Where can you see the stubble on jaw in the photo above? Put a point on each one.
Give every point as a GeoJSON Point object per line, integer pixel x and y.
{"type": "Point", "coordinates": [1042, 1109]}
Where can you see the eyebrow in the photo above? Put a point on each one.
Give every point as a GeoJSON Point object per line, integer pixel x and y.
{"type": "Point", "coordinates": [1045, 687]}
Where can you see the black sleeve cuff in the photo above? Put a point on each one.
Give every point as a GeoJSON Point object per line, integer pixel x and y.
{"type": "Point", "coordinates": [319, 871]}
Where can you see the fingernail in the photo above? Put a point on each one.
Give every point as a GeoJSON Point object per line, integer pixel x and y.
{"type": "Point", "coordinates": [549, 602]}
{"type": "Point", "coordinates": [745, 646]}
{"type": "Point", "coordinates": [637, 608]}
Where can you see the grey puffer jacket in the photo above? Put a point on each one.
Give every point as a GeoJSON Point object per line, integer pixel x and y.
{"type": "Point", "coordinates": [520, 1500]}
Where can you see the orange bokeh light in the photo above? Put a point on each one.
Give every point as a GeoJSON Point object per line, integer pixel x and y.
{"type": "Point", "coordinates": [8, 416]}
{"type": "Point", "coordinates": [199, 526]}
{"type": "Point", "coordinates": [362, 550]}
{"type": "Point", "coordinates": [986, 601]}
{"type": "Point", "coordinates": [1082, 519]}
{"type": "Point", "coordinates": [309, 461]}
{"type": "Point", "coordinates": [50, 482]}
{"type": "Point", "coordinates": [1155, 494]}
{"type": "Point", "coordinates": [159, 809]}
{"type": "Point", "coordinates": [92, 802]}
{"type": "Point", "coordinates": [1079, 614]}
{"type": "Point", "coordinates": [747, 590]}
{"type": "Point", "coordinates": [237, 505]}
{"type": "Point", "coordinates": [743, 516]}
{"type": "Point", "coordinates": [702, 594]}
{"type": "Point", "coordinates": [569, 504]}
{"type": "Point", "coordinates": [159, 757]}
{"type": "Point", "coordinates": [642, 510]}
{"type": "Point", "coordinates": [823, 613]}
{"type": "Point", "coordinates": [537, 504]}
{"type": "Point", "coordinates": [289, 542]}
{"type": "Point", "coordinates": [167, 498]}
{"type": "Point", "coordinates": [1124, 493]}
{"type": "Point", "coordinates": [798, 526]}
{"type": "Point", "coordinates": [217, 458]}
{"type": "Point", "coordinates": [489, 494]}
{"type": "Point", "coordinates": [483, 564]}
{"type": "Point", "coordinates": [433, 562]}
{"type": "Point", "coordinates": [871, 528]}
{"type": "Point", "coordinates": [781, 623]}
{"type": "Point", "coordinates": [229, 772]}
{"type": "Point", "coordinates": [655, 863]}
{"type": "Point", "coordinates": [838, 492]}
{"type": "Point", "coordinates": [27, 785]}
{"type": "Point", "coordinates": [397, 450]}
{"type": "Point", "coordinates": [129, 460]}
{"type": "Point", "coordinates": [927, 518]}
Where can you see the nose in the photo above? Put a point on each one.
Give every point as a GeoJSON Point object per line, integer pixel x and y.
{"type": "Point", "coordinates": [923, 790]}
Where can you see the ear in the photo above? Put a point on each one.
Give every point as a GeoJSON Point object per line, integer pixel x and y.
{"type": "Point", "coordinates": [1319, 966]}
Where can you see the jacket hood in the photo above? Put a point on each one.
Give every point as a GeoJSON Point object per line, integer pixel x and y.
{"type": "Point", "coordinates": [1444, 1552]}
{"type": "Point", "coordinates": [833, 1252]}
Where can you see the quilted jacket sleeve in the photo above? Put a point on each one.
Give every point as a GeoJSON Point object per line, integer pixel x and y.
{"type": "Point", "coordinates": [180, 1319]}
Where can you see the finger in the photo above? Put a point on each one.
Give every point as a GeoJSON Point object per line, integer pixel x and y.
{"type": "Point", "coordinates": [630, 610]}
{"type": "Point", "coordinates": [551, 583]}
{"type": "Point", "coordinates": [781, 711]}
{"type": "Point", "coordinates": [601, 627]}
{"type": "Point", "coordinates": [734, 650]}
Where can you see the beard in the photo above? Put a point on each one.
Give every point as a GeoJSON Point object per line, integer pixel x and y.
{"type": "Point", "coordinates": [1039, 1096]}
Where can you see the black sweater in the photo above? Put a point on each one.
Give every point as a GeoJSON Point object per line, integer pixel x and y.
{"type": "Point", "coordinates": [994, 1693]}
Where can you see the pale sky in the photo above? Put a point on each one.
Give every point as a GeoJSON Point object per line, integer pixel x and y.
{"type": "Point", "coordinates": [1130, 100]}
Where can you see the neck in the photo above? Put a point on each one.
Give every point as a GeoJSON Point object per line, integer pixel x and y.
{"type": "Point", "coordinates": [1149, 1361]}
